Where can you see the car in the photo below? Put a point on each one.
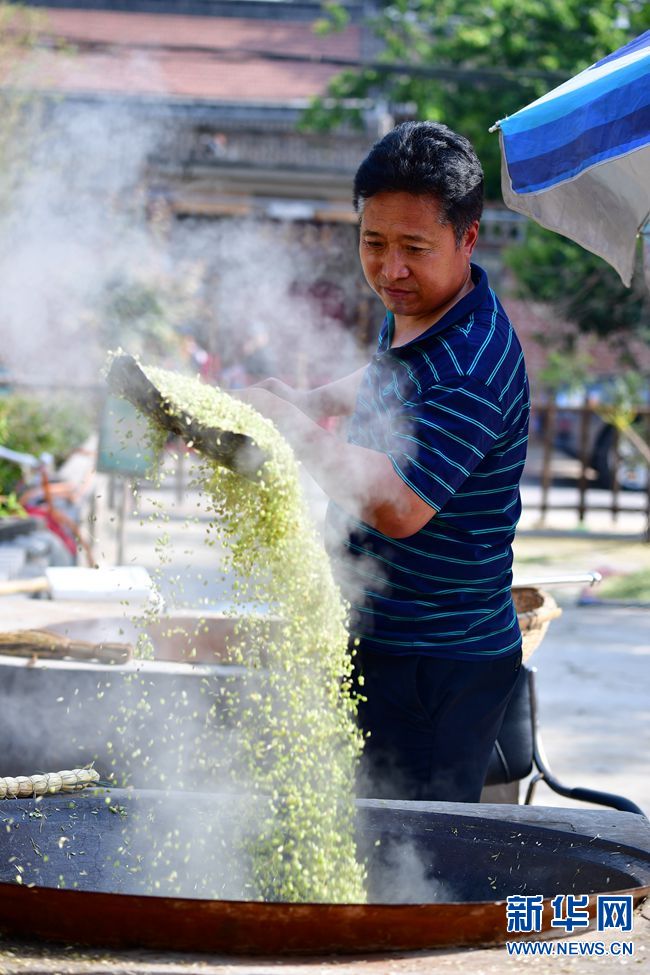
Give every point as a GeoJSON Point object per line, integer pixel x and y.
{"type": "Point", "coordinates": [614, 458]}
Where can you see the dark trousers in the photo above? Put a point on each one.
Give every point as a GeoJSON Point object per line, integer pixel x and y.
{"type": "Point", "coordinates": [430, 723]}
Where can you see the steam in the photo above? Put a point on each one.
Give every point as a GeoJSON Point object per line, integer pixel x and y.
{"type": "Point", "coordinates": [78, 223]}
{"type": "Point", "coordinates": [403, 872]}
{"type": "Point", "coordinates": [260, 306]}
{"type": "Point", "coordinates": [81, 218]}
{"type": "Point", "coordinates": [68, 233]}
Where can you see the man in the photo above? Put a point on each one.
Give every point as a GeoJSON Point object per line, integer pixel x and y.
{"type": "Point", "coordinates": [425, 493]}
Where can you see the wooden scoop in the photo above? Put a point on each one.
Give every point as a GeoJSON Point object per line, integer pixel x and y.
{"type": "Point", "coordinates": [235, 451]}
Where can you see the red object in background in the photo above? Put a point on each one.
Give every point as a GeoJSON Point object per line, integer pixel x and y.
{"type": "Point", "coordinates": [210, 369]}
{"type": "Point", "coordinates": [328, 297]}
{"type": "Point", "coordinates": [53, 525]}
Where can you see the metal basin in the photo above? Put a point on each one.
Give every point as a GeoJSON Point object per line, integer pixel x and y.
{"type": "Point", "coordinates": [148, 721]}
{"type": "Point", "coordinates": [183, 638]}
{"type": "Point", "coordinates": [131, 869]}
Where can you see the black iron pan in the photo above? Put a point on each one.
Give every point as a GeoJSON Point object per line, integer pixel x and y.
{"type": "Point", "coordinates": [100, 869]}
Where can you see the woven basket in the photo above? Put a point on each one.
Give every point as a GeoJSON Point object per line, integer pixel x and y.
{"type": "Point", "coordinates": [535, 610]}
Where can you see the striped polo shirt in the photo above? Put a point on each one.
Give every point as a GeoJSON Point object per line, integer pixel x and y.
{"type": "Point", "coordinates": [450, 409]}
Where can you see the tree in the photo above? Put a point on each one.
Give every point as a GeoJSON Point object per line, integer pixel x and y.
{"type": "Point", "coordinates": [145, 311]}
{"type": "Point", "coordinates": [469, 65]}
{"type": "Point", "coordinates": [584, 288]}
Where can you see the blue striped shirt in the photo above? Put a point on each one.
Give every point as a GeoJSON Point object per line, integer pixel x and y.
{"type": "Point", "coordinates": [451, 410]}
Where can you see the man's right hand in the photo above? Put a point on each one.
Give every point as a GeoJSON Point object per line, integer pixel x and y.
{"type": "Point", "coordinates": [281, 389]}
{"type": "Point", "coordinates": [362, 481]}
{"type": "Point", "coordinates": [333, 399]}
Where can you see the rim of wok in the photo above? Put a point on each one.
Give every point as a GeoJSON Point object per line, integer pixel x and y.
{"type": "Point", "coordinates": [124, 921]}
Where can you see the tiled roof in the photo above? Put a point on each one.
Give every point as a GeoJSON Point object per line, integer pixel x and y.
{"type": "Point", "coordinates": [209, 58]}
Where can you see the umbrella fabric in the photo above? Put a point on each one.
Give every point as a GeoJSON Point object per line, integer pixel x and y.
{"type": "Point", "coordinates": [577, 160]}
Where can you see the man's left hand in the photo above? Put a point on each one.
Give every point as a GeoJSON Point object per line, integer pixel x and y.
{"type": "Point", "coordinates": [266, 403]}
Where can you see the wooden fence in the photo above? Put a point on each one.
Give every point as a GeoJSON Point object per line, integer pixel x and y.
{"type": "Point", "coordinates": [549, 426]}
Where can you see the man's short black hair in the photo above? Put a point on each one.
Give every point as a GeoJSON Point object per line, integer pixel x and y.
{"type": "Point", "coordinates": [425, 158]}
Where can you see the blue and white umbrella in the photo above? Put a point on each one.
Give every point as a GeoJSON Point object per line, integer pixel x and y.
{"type": "Point", "coordinates": [577, 160]}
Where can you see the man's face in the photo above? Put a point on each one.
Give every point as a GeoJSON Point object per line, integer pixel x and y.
{"type": "Point", "coordinates": [410, 259]}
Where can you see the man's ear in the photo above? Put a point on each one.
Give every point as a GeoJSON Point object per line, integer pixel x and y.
{"type": "Point", "coordinates": [470, 238]}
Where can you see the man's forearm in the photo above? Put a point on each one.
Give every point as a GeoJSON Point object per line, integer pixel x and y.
{"type": "Point", "coordinates": [338, 467]}
{"type": "Point", "coordinates": [332, 399]}
{"type": "Point", "coordinates": [361, 481]}
{"type": "Point", "coordinates": [335, 399]}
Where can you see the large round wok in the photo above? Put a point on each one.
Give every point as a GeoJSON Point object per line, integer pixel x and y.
{"type": "Point", "coordinates": [144, 869]}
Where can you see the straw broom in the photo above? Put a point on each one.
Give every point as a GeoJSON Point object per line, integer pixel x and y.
{"type": "Point", "coordinates": [41, 643]}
